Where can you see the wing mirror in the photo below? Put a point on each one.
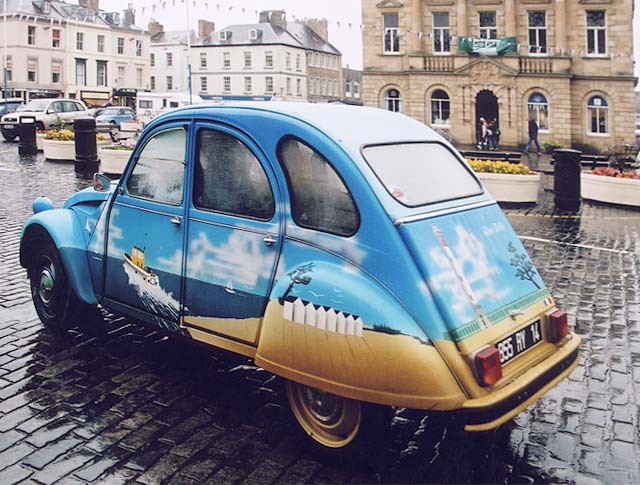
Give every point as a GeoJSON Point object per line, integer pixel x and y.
{"type": "Point", "coordinates": [101, 183]}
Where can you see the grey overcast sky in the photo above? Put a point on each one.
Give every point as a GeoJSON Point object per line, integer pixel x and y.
{"type": "Point", "coordinates": [344, 18]}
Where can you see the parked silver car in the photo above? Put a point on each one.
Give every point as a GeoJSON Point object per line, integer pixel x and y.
{"type": "Point", "coordinates": [46, 112]}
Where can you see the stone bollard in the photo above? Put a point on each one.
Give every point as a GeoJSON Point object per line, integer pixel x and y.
{"type": "Point", "coordinates": [86, 146]}
{"type": "Point", "coordinates": [27, 134]}
{"type": "Point", "coordinates": [566, 180]}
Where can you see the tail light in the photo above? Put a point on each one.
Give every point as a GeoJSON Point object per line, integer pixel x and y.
{"type": "Point", "coordinates": [488, 366]}
{"type": "Point", "coordinates": [558, 327]}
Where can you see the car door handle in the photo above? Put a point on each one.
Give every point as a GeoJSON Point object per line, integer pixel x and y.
{"type": "Point", "coordinates": [269, 239]}
{"type": "Point", "coordinates": [176, 220]}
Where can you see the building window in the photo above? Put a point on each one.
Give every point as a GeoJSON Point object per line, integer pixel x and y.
{"type": "Point", "coordinates": [390, 27]}
{"type": "Point", "coordinates": [31, 35]}
{"type": "Point", "coordinates": [56, 71]}
{"type": "Point", "coordinates": [203, 60]}
{"type": "Point", "coordinates": [9, 69]}
{"type": "Point", "coordinates": [299, 87]}
{"type": "Point", "coordinates": [138, 48]}
{"type": "Point", "coordinates": [226, 60]}
{"type": "Point", "coordinates": [298, 62]}
{"type": "Point", "coordinates": [596, 32]}
{"type": "Point", "coordinates": [288, 85]}
{"type": "Point", "coordinates": [538, 108]}
{"type": "Point", "coordinates": [268, 59]}
{"type": "Point", "coordinates": [356, 90]}
{"type": "Point", "coordinates": [55, 38]}
{"type": "Point", "coordinates": [537, 32]}
{"type": "Point", "coordinates": [247, 60]}
{"type": "Point", "coordinates": [101, 71]}
{"type": "Point", "coordinates": [488, 24]}
{"type": "Point", "coordinates": [247, 85]}
{"type": "Point", "coordinates": [81, 72]}
{"type": "Point", "coordinates": [121, 72]}
{"type": "Point", "coordinates": [441, 37]}
{"type": "Point", "coordinates": [440, 108]}
{"type": "Point", "coordinates": [312, 89]}
{"type": "Point", "coordinates": [139, 75]}
{"type": "Point", "coordinates": [152, 59]}
{"type": "Point", "coordinates": [288, 60]}
{"type": "Point", "coordinates": [169, 59]}
{"type": "Point", "coordinates": [316, 59]}
{"type": "Point", "coordinates": [101, 43]}
{"type": "Point", "coordinates": [323, 87]}
{"type": "Point", "coordinates": [347, 88]}
{"type": "Point", "coordinates": [268, 85]}
{"type": "Point", "coordinates": [227, 84]}
{"type": "Point", "coordinates": [169, 83]}
{"type": "Point", "coordinates": [152, 84]}
{"type": "Point", "coordinates": [393, 100]}
{"type": "Point", "coordinates": [203, 84]}
{"type": "Point", "coordinates": [32, 70]}
{"type": "Point", "coordinates": [120, 45]}
{"type": "Point", "coordinates": [79, 41]}
{"type": "Point", "coordinates": [598, 116]}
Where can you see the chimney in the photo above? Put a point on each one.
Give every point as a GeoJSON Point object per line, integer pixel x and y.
{"type": "Point", "coordinates": [129, 16]}
{"type": "Point", "coordinates": [91, 4]}
{"type": "Point", "coordinates": [205, 28]}
{"type": "Point", "coordinates": [274, 17]}
{"type": "Point", "coordinates": [155, 27]}
{"type": "Point", "coordinates": [320, 27]}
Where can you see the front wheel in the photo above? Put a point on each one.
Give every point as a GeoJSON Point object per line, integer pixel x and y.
{"type": "Point", "coordinates": [331, 421]}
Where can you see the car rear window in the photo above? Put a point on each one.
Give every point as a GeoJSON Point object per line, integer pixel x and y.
{"type": "Point", "coordinates": [418, 174]}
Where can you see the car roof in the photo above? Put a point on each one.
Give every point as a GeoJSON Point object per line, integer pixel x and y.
{"type": "Point", "coordinates": [352, 126]}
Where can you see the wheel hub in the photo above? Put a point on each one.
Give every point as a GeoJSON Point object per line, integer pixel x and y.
{"type": "Point", "coordinates": [323, 406]}
{"type": "Point", "coordinates": [45, 287]}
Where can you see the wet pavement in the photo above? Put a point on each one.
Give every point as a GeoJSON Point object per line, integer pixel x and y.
{"type": "Point", "coordinates": [138, 406]}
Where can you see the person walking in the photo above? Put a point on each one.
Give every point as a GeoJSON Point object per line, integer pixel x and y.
{"type": "Point", "coordinates": [484, 133]}
{"type": "Point", "coordinates": [533, 135]}
{"type": "Point", "coordinates": [493, 133]}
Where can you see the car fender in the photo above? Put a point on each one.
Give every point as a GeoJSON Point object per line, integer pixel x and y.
{"type": "Point", "coordinates": [337, 329]}
{"type": "Point", "coordinates": [66, 232]}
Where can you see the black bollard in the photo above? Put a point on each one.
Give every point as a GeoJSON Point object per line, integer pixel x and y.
{"type": "Point", "coordinates": [27, 134]}
{"type": "Point", "coordinates": [566, 181]}
{"type": "Point", "coordinates": [86, 146]}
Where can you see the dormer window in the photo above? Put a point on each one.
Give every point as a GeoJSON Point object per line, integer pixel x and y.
{"type": "Point", "coordinates": [253, 34]}
{"type": "Point", "coordinates": [223, 35]}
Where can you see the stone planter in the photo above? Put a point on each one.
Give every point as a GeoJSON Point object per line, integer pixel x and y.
{"type": "Point", "coordinates": [113, 161]}
{"type": "Point", "coordinates": [511, 188]}
{"type": "Point", "coordinates": [610, 189]}
{"type": "Point", "coordinates": [39, 140]}
{"type": "Point", "coordinates": [64, 151]}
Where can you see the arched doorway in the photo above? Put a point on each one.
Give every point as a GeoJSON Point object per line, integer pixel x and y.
{"type": "Point", "coordinates": [486, 107]}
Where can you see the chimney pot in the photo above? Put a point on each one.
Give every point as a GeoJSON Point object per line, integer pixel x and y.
{"type": "Point", "coordinates": [205, 28]}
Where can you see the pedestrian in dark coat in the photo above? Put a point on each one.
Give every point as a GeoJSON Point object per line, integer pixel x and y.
{"type": "Point", "coordinates": [533, 135]}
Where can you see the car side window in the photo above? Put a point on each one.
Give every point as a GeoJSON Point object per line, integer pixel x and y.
{"type": "Point", "coordinates": [69, 106]}
{"type": "Point", "coordinates": [57, 107]}
{"type": "Point", "coordinates": [319, 198]}
{"type": "Point", "coordinates": [230, 179]}
{"type": "Point", "coordinates": [78, 107]}
{"type": "Point", "coordinates": [158, 174]}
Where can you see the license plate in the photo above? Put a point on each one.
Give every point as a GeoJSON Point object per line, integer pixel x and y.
{"type": "Point", "coordinates": [519, 342]}
{"type": "Point", "coordinates": [8, 127]}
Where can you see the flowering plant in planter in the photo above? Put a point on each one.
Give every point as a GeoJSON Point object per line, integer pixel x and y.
{"type": "Point", "coordinates": [614, 172]}
{"type": "Point", "coordinates": [621, 157]}
{"type": "Point", "coordinates": [550, 146]}
{"type": "Point", "coordinates": [493, 166]}
{"type": "Point", "coordinates": [122, 145]}
{"type": "Point", "coordinates": [64, 134]}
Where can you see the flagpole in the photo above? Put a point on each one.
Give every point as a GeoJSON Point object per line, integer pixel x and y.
{"type": "Point", "coordinates": [4, 55]}
{"type": "Point", "coordinates": [188, 52]}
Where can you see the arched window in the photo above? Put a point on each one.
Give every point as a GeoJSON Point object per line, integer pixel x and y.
{"type": "Point", "coordinates": [539, 110]}
{"type": "Point", "coordinates": [598, 115]}
{"type": "Point", "coordinates": [393, 100]}
{"type": "Point", "coordinates": [440, 108]}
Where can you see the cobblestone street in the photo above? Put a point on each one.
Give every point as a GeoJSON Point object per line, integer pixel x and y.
{"type": "Point", "coordinates": [137, 406]}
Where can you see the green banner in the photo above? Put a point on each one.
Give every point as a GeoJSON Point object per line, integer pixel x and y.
{"type": "Point", "coordinates": [487, 47]}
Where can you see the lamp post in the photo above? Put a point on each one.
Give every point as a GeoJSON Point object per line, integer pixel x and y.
{"type": "Point", "coordinates": [4, 54]}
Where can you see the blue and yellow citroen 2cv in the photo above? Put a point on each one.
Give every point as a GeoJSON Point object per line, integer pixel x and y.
{"type": "Point", "coordinates": [349, 250]}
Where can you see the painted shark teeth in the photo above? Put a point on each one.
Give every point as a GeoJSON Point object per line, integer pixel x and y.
{"type": "Point", "coordinates": [322, 318]}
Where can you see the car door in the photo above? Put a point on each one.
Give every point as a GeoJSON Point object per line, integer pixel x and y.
{"type": "Point", "coordinates": [233, 240]}
{"type": "Point", "coordinates": [145, 230]}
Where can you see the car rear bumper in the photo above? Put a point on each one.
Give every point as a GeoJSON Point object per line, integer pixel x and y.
{"type": "Point", "coordinates": [12, 132]}
{"type": "Point", "coordinates": [491, 411]}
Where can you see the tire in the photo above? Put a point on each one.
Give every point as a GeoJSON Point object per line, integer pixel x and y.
{"type": "Point", "coordinates": [54, 300]}
{"type": "Point", "coordinates": [39, 126]}
{"type": "Point", "coordinates": [8, 138]}
{"type": "Point", "coordinates": [339, 427]}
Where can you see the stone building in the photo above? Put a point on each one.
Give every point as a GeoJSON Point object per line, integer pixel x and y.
{"type": "Point", "coordinates": [56, 49]}
{"type": "Point", "coordinates": [568, 64]}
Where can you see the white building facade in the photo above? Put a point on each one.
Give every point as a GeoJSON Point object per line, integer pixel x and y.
{"type": "Point", "coordinates": [169, 61]}
{"type": "Point", "coordinates": [56, 49]}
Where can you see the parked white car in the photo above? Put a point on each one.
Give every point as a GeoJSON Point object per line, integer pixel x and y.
{"type": "Point", "coordinates": [46, 112]}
